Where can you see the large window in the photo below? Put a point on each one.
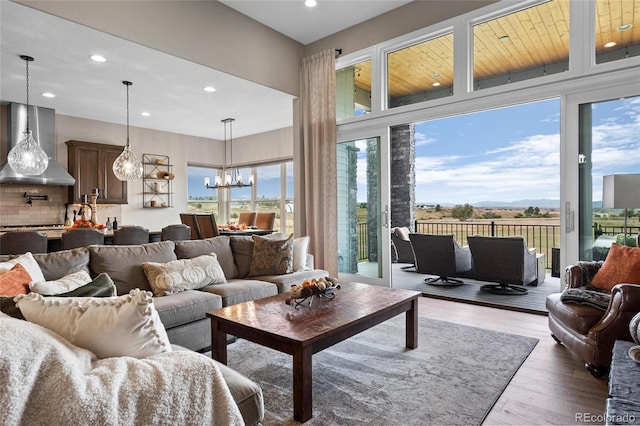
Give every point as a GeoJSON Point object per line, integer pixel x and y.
{"type": "Point", "coordinates": [608, 145]}
{"type": "Point", "coordinates": [617, 29]}
{"type": "Point", "coordinates": [199, 198]}
{"type": "Point", "coordinates": [420, 72]}
{"type": "Point", "coordinates": [271, 192]}
{"type": "Point", "coordinates": [526, 44]}
{"type": "Point", "coordinates": [353, 90]}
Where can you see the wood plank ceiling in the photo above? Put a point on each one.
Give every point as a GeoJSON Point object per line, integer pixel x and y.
{"type": "Point", "coordinates": [533, 37]}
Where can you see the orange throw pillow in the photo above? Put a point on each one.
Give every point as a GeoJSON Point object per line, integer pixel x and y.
{"type": "Point", "coordinates": [15, 281]}
{"type": "Point", "coordinates": [622, 265]}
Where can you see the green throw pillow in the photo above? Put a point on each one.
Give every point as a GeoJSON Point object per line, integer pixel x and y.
{"type": "Point", "coordinates": [101, 286]}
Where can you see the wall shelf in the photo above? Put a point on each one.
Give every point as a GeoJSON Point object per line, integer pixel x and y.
{"type": "Point", "coordinates": [157, 181]}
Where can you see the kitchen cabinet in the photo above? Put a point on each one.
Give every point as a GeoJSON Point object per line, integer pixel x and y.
{"type": "Point", "coordinates": [91, 165]}
{"type": "Point", "coordinates": [157, 181]}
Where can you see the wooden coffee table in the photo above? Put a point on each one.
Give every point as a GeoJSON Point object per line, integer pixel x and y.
{"type": "Point", "coordinates": [304, 331]}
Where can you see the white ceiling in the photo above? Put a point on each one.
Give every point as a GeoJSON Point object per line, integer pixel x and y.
{"type": "Point", "coordinates": [308, 24]}
{"type": "Point", "coordinates": [91, 90]}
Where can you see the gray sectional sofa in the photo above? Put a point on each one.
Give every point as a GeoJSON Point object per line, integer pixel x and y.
{"type": "Point", "coordinates": [184, 314]}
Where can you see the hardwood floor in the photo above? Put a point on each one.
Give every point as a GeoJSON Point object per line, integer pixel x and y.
{"type": "Point", "coordinates": [551, 387]}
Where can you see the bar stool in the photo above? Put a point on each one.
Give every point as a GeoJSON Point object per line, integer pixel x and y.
{"type": "Point", "coordinates": [129, 235]}
{"type": "Point", "coordinates": [82, 237]}
{"type": "Point", "coordinates": [176, 232]}
{"type": "Point", "coordinates": [22, 242]}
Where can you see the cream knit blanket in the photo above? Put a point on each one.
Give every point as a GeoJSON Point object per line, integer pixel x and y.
{"type": "Point", "coordinates": [45, 380]}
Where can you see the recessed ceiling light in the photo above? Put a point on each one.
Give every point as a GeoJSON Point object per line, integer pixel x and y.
{"type": "Point", "coordinates": [48, 95]}
{"type": "Point", "coordinates": [209, 89]}
{"type": "Point", "coordinates": [436, 84]}
{"type": "Point", "coordinates": [610, 44]}
{"type": "Point", "coordinates": [436, 75]}
{"type": "Point", "coordinates": [145, 114]}
{"type": "Point", "coordinates": [625, 27]}
{"type": "Point", "coordinates": [310, 3]}
{"type": "Point", "coordinates": [504, 38]}
{"type": "Point", "coordinates": [98, 58]}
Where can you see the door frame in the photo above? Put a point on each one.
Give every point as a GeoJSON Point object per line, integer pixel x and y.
{"type": "Point", "coordinates": [352, 133]}
{"type": "Point", "coordinates": [569, 154]}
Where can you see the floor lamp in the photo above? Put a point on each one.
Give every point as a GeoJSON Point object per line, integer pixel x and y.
{"type": "Point", "coordinates": [621, 192]}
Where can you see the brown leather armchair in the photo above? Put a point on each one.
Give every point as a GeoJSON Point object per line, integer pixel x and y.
{"type": "Point", "coordinates": [587, 331]}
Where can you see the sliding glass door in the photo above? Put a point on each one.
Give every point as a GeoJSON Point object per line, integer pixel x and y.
{"type": "Point", "coordinates": [363, 209]}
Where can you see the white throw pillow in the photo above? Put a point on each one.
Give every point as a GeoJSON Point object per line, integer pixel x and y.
{"type": "Point", "coordinates": [61, 285]}
{"type": "Point", "coordinates": [127, 325]}
{"type": "Point", "coordinates": [29, 263]}
{"type": "Point", "coordinates": [300, 250]}
{"type": "Point", "coordinates": [183, 274]}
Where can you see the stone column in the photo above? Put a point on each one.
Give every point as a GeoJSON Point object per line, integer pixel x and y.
{"type": "Point", "coordinates": [403, 176]}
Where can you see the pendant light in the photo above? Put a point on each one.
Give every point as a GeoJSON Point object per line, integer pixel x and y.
{"type": "Point", "coordinates": [229, 179]}
{"type": "Point", "coordinates": [27, 158]}
{"type": "Point", "coordinates": [127, 166]}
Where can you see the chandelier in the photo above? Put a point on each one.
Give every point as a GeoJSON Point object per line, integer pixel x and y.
{"type": "Point", "coordinates": [127, 166]}
{"type": "Point", "coordinates": [233, 178]}
{"type": "Point", "coordinates": [27, 158]}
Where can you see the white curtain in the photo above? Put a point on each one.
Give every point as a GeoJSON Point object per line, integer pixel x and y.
{"type": "Point", "coordinates": [319, 158]}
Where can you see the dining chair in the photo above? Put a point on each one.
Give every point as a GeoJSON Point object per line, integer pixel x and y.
{"type": "Point", "coordinates": [189, 219]}
{"type": "Point", "coordinates": [207, 225]}
{"type": "Point", "coordinates": [129, 235]}
{"type": "Point", "coordinates": [177, 232]}
{"type": "Point", "coordinates": [265, 220]}
{"type": "Point", "coordinates": [81, 238]}
{"type": "Point", "coordinates": [22, 242]}
{"type": "Point", "coordinates": [247, 218]}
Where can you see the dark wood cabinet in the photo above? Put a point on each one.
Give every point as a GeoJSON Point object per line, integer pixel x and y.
{"type": "Point", "coordinates": [91, 164]}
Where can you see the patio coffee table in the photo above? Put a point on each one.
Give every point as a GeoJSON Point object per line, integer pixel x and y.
{"type": "Point", "coordinates": [309, 329]}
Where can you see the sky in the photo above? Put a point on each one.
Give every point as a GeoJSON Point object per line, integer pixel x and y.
{"type": "Point", "coordinates": [513, 153]}
{"type": "Point", "coordinates": [505, 154]}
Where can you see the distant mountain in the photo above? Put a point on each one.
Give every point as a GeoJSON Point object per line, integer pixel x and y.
{"type": "Point", "coordinates": [541, 203]}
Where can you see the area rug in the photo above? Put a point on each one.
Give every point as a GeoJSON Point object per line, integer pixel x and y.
{"type": "Point", "coordinates": [454, 377]}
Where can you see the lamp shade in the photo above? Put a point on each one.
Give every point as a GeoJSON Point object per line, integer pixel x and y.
{"type": "Point", "coordinates": [621, 191]}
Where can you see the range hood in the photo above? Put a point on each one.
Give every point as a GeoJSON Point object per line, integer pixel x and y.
{"type": "Point", "coordinates": [42, 124]}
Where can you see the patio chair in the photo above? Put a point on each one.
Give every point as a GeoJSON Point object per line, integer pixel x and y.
{"type": "Point", "coordinates": [440, 255]}
{"type": "Point", "coordinates": [401, 250]}
{"type": "Point", "coordinates": [505, 260]}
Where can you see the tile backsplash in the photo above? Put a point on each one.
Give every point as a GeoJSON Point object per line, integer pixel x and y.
{"type": "Point", "coordinates": [14, 209]}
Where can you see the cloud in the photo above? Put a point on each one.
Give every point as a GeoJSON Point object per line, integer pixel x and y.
{"type": "Point", "coordinates": [421, 139]}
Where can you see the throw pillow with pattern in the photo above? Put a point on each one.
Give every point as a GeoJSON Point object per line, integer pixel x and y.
{"type": "Point", "coordinates": [271, 257]}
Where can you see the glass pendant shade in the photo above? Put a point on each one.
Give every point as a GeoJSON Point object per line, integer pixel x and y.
{"type": "Point", "coordinates": [27, 157]}
{"type": "Point", "coordinates": [127, 166]}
